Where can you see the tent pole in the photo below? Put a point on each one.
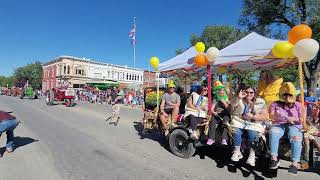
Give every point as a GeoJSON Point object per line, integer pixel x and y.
{"type": "Point", "coordinates": [157, 109]}
{"type": "Point", "coordinates": [209, 89]}
{"type": "Point", "coordinates": [230, 85]}
{"type": "Point", "coordinates": [302, 94]}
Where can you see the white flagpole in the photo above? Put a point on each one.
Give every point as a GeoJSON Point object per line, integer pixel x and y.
{"type": "Point", "coordinates": [134, 45]}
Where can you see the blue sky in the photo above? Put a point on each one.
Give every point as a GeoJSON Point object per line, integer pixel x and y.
{"type": "Point", "coordinates": [98, 29]}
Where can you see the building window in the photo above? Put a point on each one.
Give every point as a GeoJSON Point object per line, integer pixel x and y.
{"type": "Point", "coordinates": [118, 75]}
{"type": "Point", "coordinates": [79, 71]}
{"type": "Point", "coordinates": [127, 77]}
{"type": "Point", "coordinates": [64, 69]}
{"type": "Point", "coordinates": [68, 69]}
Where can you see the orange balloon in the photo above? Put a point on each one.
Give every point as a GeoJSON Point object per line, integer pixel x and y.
{"type": "Point", "coordinates": [299, 32]}
{"type": "Point", "coordinates": [200, 60]}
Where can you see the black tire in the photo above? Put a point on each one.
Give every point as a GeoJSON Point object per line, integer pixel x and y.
{"type": "Point", "coordinates": [67, 102]}
{"type": "Point", "coordinates": [180, 144]}
{"type": "Point", "coordinates": [22, 95]}
{"type": "Point", "coordinates": [72, 103]}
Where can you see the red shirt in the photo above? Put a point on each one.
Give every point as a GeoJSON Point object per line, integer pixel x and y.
{"type": "Point", "coordinates": [6, 116]}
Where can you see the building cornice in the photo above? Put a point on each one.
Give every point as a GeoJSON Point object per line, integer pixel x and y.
{"type": "Point", "coordinates": [60, 58]}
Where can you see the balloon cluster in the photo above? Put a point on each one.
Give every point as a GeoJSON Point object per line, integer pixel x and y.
{"type": "Point", "coordinates": [299, 45]}
{"type": "Point", "coordinates": [203, 59]}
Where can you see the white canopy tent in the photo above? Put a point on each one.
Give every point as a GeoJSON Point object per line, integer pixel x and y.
{"type": "Point", "coordinates": [249, 53]}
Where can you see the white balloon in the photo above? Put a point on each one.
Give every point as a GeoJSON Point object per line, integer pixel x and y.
{"type": "Point", "coordinates": [306, 49]}
{"type": "Point", "coordinates": [212, 54]}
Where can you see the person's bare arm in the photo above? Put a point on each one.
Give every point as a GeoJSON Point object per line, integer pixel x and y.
{"type": "Point", "coordinates": [212, 110]}
{"type": "Point", "coordinates": [190, 104]}
{"type": "Point", "coordinates": [162, 105]}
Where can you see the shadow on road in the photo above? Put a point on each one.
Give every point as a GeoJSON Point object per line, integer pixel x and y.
{"type": "Point", "coordinates": [22, 141]}
{"type": "Point", "coordinates": [222, 156]}
{"type": "Point", "coordinates": [19, 142]}
{"type": "Point", "coordinates": [151, 134]}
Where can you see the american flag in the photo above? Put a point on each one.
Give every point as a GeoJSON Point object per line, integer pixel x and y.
{"type": "Point", "coordinates": [132, 34]}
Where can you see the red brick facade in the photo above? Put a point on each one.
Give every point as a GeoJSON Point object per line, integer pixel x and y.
{"type": "Point", "coordinates": [49, 79]}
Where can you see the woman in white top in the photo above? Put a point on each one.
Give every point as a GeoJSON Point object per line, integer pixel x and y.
{"type": "Point", "coordinates": [196, 109]}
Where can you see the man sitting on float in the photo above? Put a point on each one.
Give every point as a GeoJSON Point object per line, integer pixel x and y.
{"type": "Point", "coordinates": [170, 104]}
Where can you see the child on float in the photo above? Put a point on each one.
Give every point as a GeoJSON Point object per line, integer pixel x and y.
{"type": "Point", "coordinates": [220, 112]}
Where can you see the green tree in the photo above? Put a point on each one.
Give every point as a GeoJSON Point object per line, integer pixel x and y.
{"type": "Point", "coordinates": [288, 74]}
{"type": "Point", "coordinates": [221, 36]}
{"type": "Point", "coordinates": [4, 81]}
{"type": "Point", "coordinates": [31, 73]}
{"type": "Point", "coordinates": [194, 39]}
{"type": "Point", "coordinates": [275, 17]}
{"type": "Point", "coordinates": [179, 51]}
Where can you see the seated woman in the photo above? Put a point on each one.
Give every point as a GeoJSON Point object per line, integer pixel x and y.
{"type": "Point", "coordinates": [247, 114]}
{"type": "Point", "coordinates": [219, 111]}
{"type": "Point", "coordinates": [196, 109]}
{"type": "Point", "coordinates": [287, 115]}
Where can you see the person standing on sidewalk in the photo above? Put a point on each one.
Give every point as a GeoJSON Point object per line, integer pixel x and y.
{"type": "Point", "coordinates": [7, 124]}
{"type": "Point", "coordinates": [115, 101]}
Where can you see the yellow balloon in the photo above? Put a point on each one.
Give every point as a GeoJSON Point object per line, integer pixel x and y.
{"type": "Point", "coordinates": [283, 49]}
{"type": "Point", "coordinates": [154, 62]}
{"type": "Point", "coordinates": [200, 47]}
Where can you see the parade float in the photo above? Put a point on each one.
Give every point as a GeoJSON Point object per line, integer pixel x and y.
{"type": "Point", "coordinates": [241, 56]}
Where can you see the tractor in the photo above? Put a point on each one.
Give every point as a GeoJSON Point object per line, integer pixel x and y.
{"type": "Point", "coordinates": [64, 95]}
{"type": "Point", "coordinates": [29, 92]}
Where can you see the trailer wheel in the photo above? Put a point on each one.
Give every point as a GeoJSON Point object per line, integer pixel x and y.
{"type": "Point", "coordinates": [180, 144]}
{"type": "Point", "coordinates": [67, 102]}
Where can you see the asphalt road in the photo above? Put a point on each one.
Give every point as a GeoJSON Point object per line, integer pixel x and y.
{"type": "Point", "coordinates": [55, 142]}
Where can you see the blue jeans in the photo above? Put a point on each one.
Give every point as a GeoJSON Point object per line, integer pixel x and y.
{"type": "Point", "coordinates": [8, 126]}
{"type": "Point", "coordinates": [253, 137]}
{"type": "Point", "coordinates": [294, 135]}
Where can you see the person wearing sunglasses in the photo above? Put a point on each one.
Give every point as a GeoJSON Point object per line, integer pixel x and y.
{"type": "Point", "coordinates": [247, 115]}
{"type": "Point", "coordinates": [170, 104]}
{"type": "Point", "coordinates": [287, 116]}
{"type": "Point", "coordinates": [196, 109]}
